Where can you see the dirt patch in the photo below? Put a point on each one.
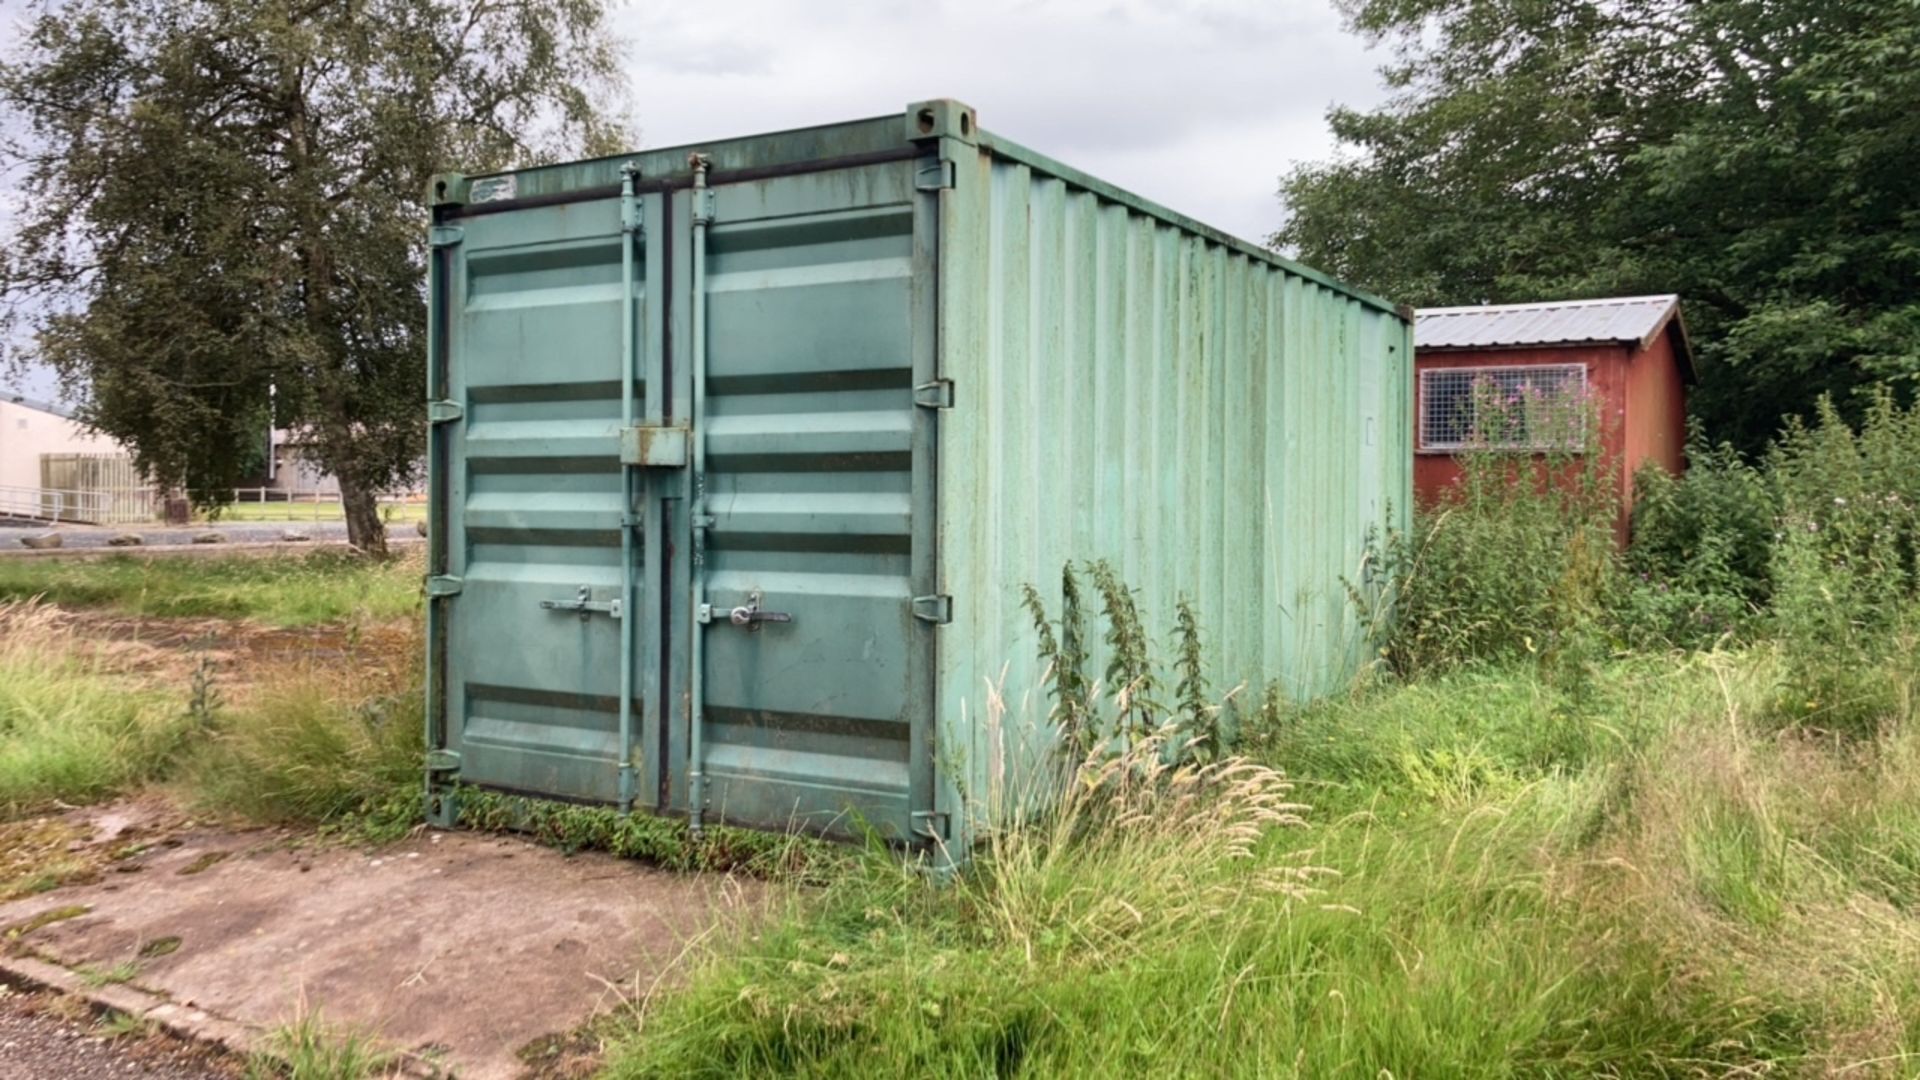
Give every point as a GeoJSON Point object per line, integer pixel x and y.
{"type": "Point", "coordinates": [79, 846]}
{"type": "Point", "coordinates": [204, 862]}
{"type": "Point", "coordinates": [172, 649]}
{"type": "Point", "coordinates": [470, 946]}
{"type": "Point", "coordinates": [39, 853]}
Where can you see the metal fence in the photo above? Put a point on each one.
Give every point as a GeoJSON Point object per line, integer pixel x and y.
{"type": "Point", "coordinates": [274, 504]}
{"type": "Point", "coordinates": [121, 506]}
{"type": "Point", "coordinates": [142, 506]}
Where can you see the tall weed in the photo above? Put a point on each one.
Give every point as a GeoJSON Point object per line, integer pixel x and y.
{"type": "Point", "coordinates": [1191, 727]}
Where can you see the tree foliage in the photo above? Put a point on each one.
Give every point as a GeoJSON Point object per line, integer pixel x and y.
{"type": "Point", "coordinates": [1756, 156]}
{"type": "Point", "coordinates": [222, 209]}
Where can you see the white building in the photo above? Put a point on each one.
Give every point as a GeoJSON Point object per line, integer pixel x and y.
{"type": "Point", "coordinates": [53, 466]}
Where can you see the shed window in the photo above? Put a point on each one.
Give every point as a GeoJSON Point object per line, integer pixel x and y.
{"type": "Point", "coordinates": [1533, 407]}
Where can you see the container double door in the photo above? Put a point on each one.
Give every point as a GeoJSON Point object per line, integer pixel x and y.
{"type": "Point", "coordinates": [685, 460]}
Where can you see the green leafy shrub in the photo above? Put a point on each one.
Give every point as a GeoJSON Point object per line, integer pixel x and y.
{"type": "Point", "coordinates": [1514, 560]}
{"type": "Point", "coordinates": [1715, 521]}
{"type": "Point", "coordinates": [1846, 567]}
{"type": "Point", "coordinates": [1702, 545]}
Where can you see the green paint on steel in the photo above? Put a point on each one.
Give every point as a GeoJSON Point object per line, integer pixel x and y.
{"type": "Point", "coordinates": [1216, 422]}
{"type": "Point", "coordinates": [936, 366]}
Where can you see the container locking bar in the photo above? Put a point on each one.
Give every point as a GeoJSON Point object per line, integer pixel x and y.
{"type": "Point", "coordinates": [585, 605]}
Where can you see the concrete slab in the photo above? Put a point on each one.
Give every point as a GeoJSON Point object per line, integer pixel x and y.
{"type": "Point", "coordinates": [458, 947]}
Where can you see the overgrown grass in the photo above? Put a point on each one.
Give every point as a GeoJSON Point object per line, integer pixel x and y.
{"type": "Point", "coordinates": [70, 730]}
{"type": "Point", "coordinates": [337, 746]}
{"type": "Point", "coordinates": [1635, 879]}
{"type": "Point", "coordinates": [283, 590]}
{"type": "Point", "coordinates": [331, 744]}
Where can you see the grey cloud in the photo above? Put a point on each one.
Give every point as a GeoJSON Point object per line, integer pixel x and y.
{"type": "Point", "coordinates": [1201, 103]}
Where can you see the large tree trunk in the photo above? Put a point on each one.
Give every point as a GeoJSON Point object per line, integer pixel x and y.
{"type": "Point", "coordinates": [365, 530]}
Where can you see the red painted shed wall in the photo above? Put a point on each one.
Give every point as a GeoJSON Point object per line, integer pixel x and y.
{"type": "Point", "coordinates": [1656, 411]}
{"type": "Point", "coordinates": [1641, 396]}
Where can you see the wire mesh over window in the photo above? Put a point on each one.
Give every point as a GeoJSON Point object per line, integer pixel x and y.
{"type": "Point", "coordinates": [1537, 407]}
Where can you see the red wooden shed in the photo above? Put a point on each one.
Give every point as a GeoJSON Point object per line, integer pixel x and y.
{"type": "Point", "coordinates": [1524, 363]}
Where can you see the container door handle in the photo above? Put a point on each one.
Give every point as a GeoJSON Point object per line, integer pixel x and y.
{"type": "Point", "coordinates": [584, 605]}
{"type": "Point", "coordinates": [751, 616]}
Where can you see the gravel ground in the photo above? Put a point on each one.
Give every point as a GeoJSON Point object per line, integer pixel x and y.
{"type": "Point", "coordinates": [39, 1042]}
{"type": "Point", "coordinates": [86, 536]}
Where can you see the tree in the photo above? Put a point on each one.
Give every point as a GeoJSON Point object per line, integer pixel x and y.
{"type": "Point", "coordinates": [1755, 156]}
{"type": "Point", "coordinates": [222, 207]}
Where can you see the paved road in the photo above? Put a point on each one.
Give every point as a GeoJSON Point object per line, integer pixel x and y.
{"type": "Point", "coordinates": [39, 1043]}
{"type": "Point", "coordinates": [238, 532]}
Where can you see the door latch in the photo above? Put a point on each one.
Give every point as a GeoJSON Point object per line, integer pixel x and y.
{"type": "Point", "coordinates": [750, 615]}
{"type": "Point", "coordinates": [585, 605]}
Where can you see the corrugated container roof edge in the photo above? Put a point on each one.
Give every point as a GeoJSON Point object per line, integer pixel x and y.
{"type": "Point", "coordinates": [598, 177]}
{"type": "Point", "coordinates": [743, 455]}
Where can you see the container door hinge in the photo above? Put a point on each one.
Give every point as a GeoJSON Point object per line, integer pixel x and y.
{"type": "Point", "coordinates": [936, 609]}
{"type": "Point", "coordinates": [444, 235]}
{"type": "Point", "coordinates": [937, 394]}
{"type": "Point", "coordinates": [932, 824]}
{"type": "Point", "coordinates": [443, 761]}
{"type": "Point", "coordinates": [658, 446]}
{"type": "Point", "coordinates": [936, 175]}
{"type": "Point", "coordinates": [440, 585]}
{"type": "Point", "coordinates": [445, 412]}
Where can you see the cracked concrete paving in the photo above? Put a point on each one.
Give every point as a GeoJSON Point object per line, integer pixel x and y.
{"type": "Point", "coordinates": [458, 947]}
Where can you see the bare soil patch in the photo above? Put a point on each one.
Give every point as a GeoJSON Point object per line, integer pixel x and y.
{"type": "Point", "coordinates": [172, 648]}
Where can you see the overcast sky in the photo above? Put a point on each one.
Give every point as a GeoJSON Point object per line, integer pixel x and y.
{"type": "Point", "coordinates": [1197, 104]}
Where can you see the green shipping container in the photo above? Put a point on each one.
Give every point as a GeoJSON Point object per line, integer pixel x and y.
{"type": "Point", "coordinates": [743, 452]}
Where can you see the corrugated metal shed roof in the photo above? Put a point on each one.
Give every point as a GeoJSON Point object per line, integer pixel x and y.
{"type": "Point", "coordinates": [1626, 320]}
{"type": "Point", "coordinates": [1622, 320]}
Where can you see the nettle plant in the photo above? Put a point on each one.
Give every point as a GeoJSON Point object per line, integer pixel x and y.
{"type": "Point", "coordinates": [1123, 708]}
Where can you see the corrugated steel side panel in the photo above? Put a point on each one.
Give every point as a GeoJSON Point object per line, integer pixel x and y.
{"type": "Point", "coordinates": [1216, 426]}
